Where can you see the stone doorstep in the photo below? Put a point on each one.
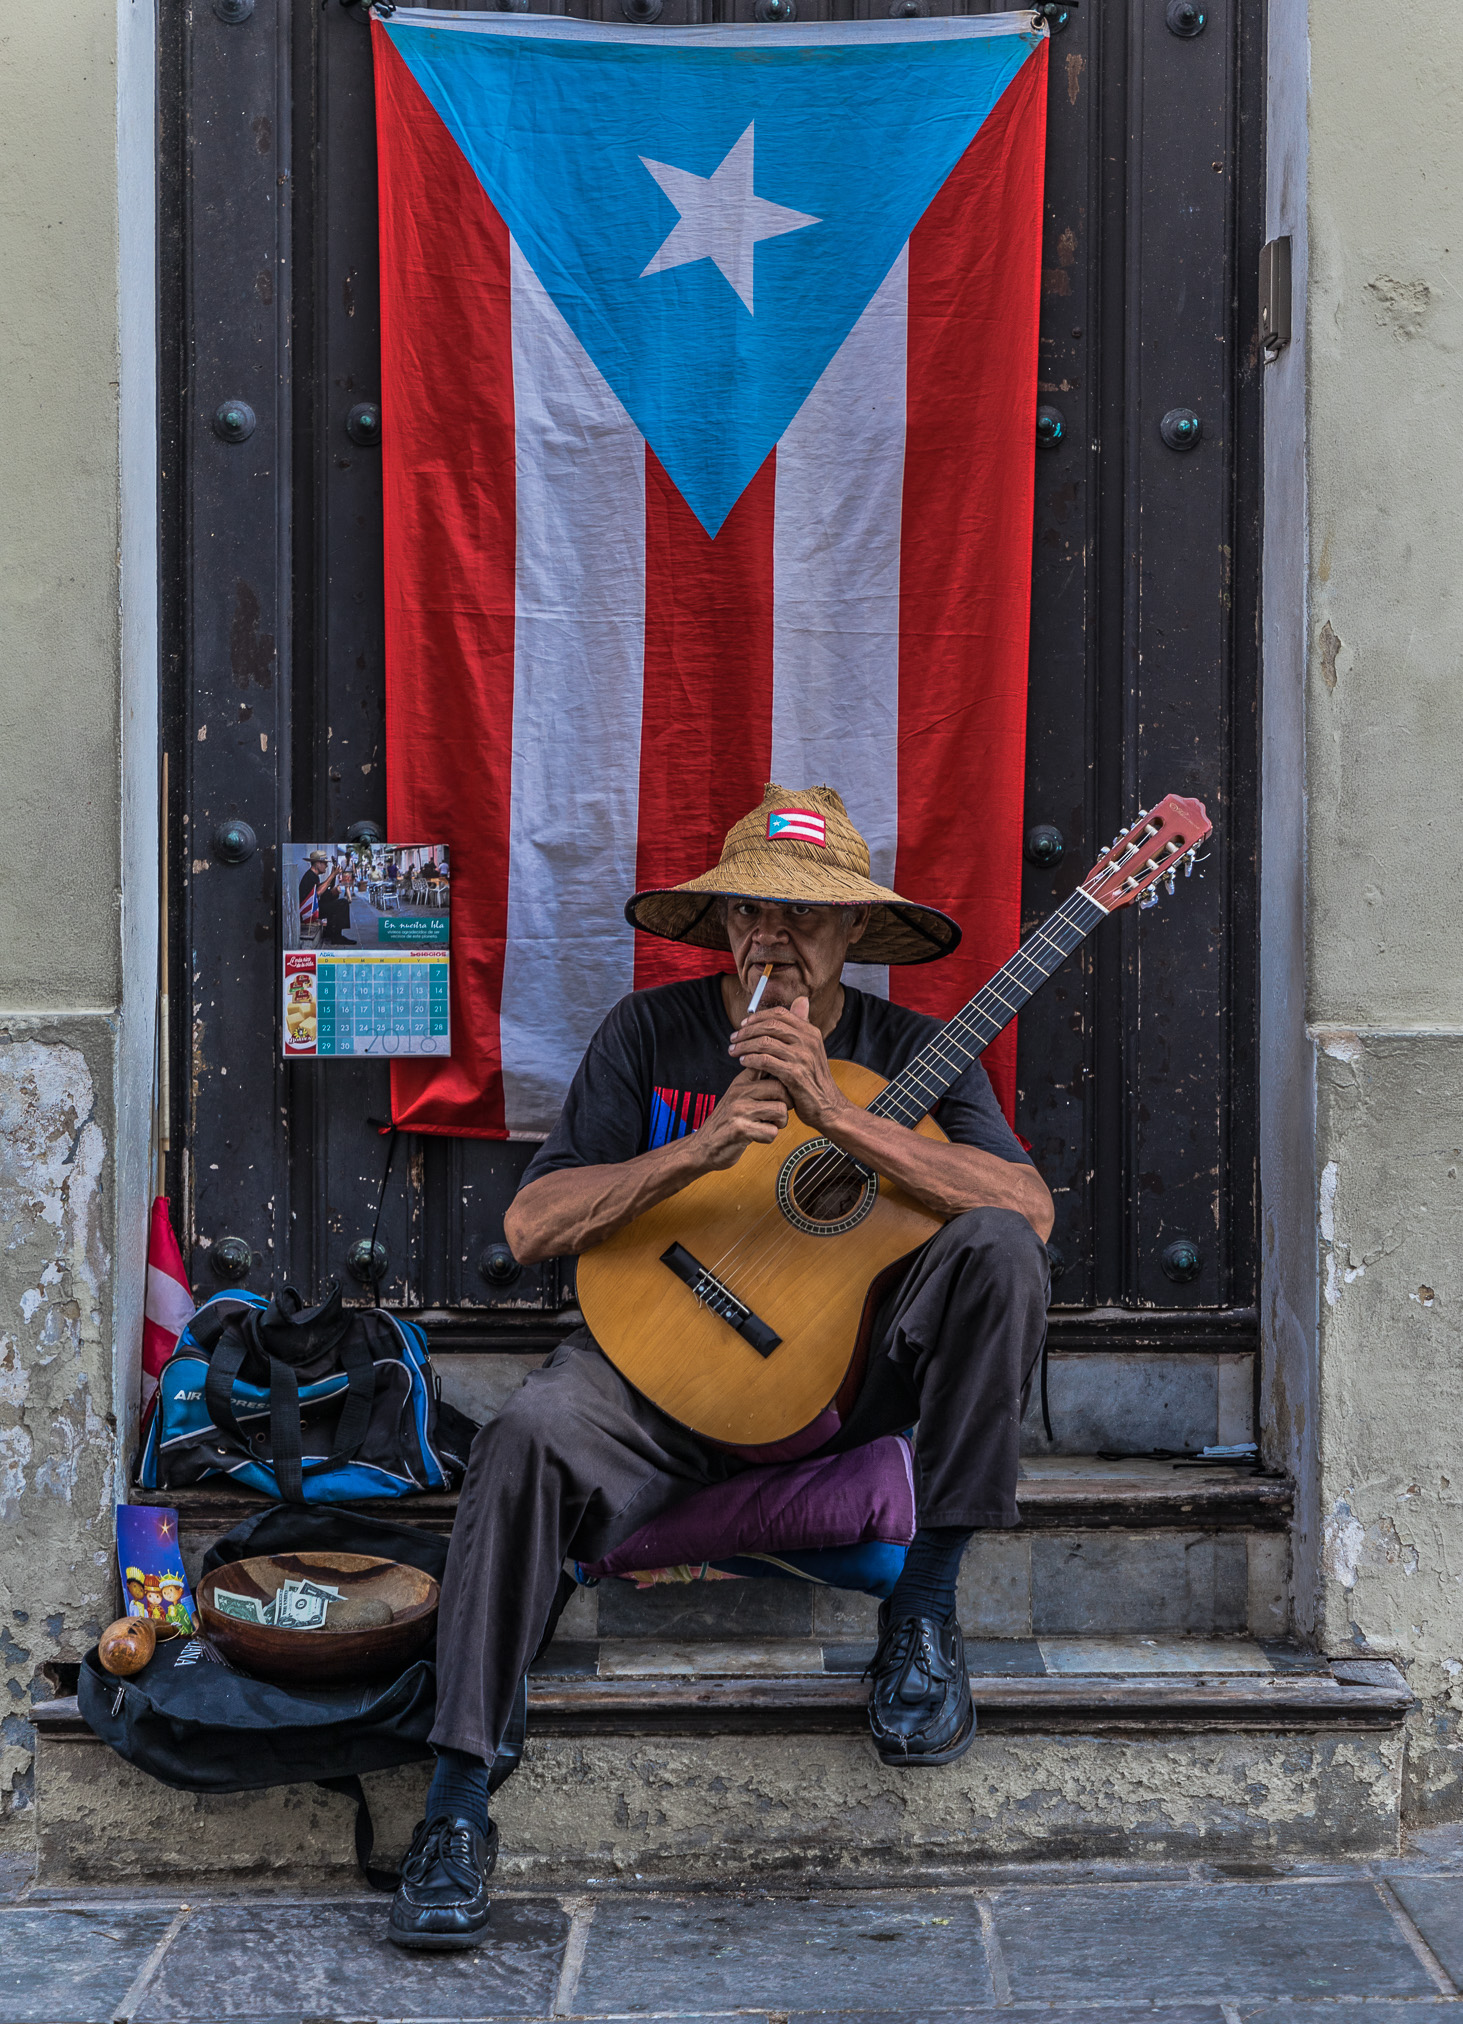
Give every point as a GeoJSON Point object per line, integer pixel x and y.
{"type": "Point", "coordinates": [716, 1789]}
{"type": "Point", "coordinates": [690, 1778]}
{"type": "Point", "coordinates": [677, 1698]}
{"type": "Point", "coordinates": [1055, 1492]}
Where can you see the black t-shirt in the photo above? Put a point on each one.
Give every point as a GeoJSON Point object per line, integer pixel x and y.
{"type": "Point", "coordinates": [655, 1068]}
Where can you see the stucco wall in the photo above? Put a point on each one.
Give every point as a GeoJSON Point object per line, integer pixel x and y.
{"type": "Point", "coordinates": [1385, 934]}
{"type": "Point", "coordinates": [77, 753]}
{"type": "Point", "coordinates": [59, 593]}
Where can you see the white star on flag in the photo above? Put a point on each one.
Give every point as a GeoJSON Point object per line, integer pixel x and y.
{"type": "Point", "coordinates": [720, 219]}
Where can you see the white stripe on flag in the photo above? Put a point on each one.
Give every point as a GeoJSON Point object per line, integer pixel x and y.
{"type": "Point", "coordinates": [835, 614]}
{"type": "Point", "coordinates": [579, 654]}
{"type": "Point", "coordinates": [168, 1304]}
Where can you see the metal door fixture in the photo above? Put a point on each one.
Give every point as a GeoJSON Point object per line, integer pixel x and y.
{"type": "Point", "coordinates": [363, 425]}
{"type": "Point", "coordinates": [1274, 297]}
{"type": "Point", "coordinates": [1182, 1261]}
{"type": "Point", "coordinates": [367, 1261]}
{"type": "Point", "coordinates": [232, 1260]}
{"type": "Point", "coordinates": [234, 421]}
{"type": "Point", "coordinates": [1181, 429]}
{"type": "Point", "coordinates": [234, 842]}
{"type": "Point", "coordinates": [1045, 845]}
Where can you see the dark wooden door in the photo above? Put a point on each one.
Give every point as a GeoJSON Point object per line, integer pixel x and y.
{"type": "Point", "coordinates": [1136, 1067]}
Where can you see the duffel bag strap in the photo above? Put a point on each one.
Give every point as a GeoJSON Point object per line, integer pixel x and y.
{"type": "Point", "coordinates": [218, 1387]}
{"type": "Point", "coordinates": [350, 1785]}
{"type": "Point", "coordinates": [285, 1439]}
{"type": "Point", "coordinates": [355, 1414]}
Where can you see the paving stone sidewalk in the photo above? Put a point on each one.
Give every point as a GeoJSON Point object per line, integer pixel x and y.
{"type": "Point", "coordinates": [1367, 1943]}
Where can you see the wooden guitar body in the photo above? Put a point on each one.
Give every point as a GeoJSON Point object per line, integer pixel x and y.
{"type": "Point", "coordinates": [808, 1289]}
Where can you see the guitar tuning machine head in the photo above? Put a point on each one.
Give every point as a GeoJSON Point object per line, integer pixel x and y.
{"type": "Point", "coordinates": [1149, 899]}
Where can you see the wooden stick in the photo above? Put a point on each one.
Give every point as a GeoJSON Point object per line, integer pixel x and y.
{"type": "Point", "coordinates": [164, 1091]}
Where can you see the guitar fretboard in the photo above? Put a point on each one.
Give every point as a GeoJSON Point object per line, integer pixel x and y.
{"type": "Point", "coordinates": [945, 1058]}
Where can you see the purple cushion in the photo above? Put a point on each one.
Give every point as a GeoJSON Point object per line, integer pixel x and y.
{"type": "Point", "coordinates": [838, 1500]}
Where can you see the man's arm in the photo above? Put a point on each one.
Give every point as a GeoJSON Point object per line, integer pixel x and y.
{"type": "Point", "coordinates": [566, 1212]}
{"type": "Point", "coordinates": [947, 1178]}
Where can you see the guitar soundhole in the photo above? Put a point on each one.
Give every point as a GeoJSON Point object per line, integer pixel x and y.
{"type": "Point", "coordinates": [822, 1192]}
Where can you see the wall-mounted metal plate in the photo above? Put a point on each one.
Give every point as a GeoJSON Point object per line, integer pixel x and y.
{"type": "Point", "coordinates": [1274, 297]}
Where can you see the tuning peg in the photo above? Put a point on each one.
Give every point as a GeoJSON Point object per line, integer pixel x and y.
{"type": "Point", "coordinates": [1149, 899]}
{"type": "Point", "coordinates": [1168, 881]}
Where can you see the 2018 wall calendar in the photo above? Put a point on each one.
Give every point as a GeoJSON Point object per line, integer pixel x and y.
{"type": "Point", "coordinates": [366, 950]}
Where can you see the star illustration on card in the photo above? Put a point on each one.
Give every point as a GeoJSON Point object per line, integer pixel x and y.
{"type": "Point", "coordinates": [720, 218]}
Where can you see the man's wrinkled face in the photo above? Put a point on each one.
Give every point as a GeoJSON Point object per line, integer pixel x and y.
{"type": "Point", "coordinates": [806, 945]}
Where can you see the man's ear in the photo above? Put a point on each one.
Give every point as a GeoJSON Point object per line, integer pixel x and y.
{"type": "Point", "coordinates": [858, 922]}
{"type": "Point", "coordinates": [799, 1008]}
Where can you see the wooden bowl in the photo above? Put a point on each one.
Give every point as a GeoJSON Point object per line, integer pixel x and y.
{"type": "Point", "coordinates": [327, 1657]}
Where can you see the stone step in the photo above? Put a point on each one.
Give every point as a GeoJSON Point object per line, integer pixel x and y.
{"type": "Point", "coordinates": [1123, 1401]}
{"type": "Point", "coordinates": [687, 1774]}
{"type": "Point", "coordinates": [1103, 1547]}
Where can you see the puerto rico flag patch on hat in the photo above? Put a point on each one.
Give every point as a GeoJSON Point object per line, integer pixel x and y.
{"type": "Point", "coordinates": [800, 825]}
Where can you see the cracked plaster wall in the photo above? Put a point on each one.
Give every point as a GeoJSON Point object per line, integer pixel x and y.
{"type": "Point", "coordinates": [57, 1430]}
{"type": "Point", "coordinates": [1384, 694]}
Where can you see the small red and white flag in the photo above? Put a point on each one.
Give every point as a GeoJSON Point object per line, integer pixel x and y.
{"type": "Point", "coordinates": [169, 1306]}
{"type": "Point", "coordinates": [799, 825]}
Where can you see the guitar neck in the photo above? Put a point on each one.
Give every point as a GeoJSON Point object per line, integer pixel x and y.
{"type": "Point", "coordinates": [945, 1058]}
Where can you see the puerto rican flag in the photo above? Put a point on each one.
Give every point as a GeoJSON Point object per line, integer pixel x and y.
{"type": "Point", "coordinates": [709, 386]}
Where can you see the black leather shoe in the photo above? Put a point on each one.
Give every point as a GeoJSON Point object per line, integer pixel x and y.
{"type": "Point", "coordinates": [442, 1900]}
{"type": "Point", "coordinates": [920, 1709]}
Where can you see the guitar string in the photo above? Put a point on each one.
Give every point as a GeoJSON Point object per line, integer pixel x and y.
{"type": "Point", "coordinates": [831, 1168]}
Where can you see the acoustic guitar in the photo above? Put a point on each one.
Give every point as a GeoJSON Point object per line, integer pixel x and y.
{"type": "Point", "coordinates": [741, 1306]}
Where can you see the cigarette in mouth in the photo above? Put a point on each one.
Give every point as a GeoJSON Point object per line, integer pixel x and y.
{"type": "Point", "coordinates": [761, 985]}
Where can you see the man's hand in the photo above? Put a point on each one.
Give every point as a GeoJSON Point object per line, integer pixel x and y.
{"type": "Point", "coordinates": [753, 1112]}
{"type": "Point", "coordinates": [566, 1212]}
{"type": "Point", "coordinates": [783, 1044]}
{"type": "Point", "coordinates": [948, 1179]}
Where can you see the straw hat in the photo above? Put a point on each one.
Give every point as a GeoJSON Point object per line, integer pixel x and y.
{"type": "Point", "coordinates": [798, 845]}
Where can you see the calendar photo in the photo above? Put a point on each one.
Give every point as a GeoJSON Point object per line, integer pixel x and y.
{"type": "Point", "coordinates": [366, 950]}
{"type": "Point", "coordinates": [367, 895]}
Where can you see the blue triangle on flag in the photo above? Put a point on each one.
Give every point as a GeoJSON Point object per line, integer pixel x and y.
{"type": "Point", "coordinates": [712, 288]}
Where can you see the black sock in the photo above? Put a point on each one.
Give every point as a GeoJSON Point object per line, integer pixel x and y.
{"type": "Point", "coordinates": [926, 1587]}
{"type": "Point", "coordinates": [459, 1789]}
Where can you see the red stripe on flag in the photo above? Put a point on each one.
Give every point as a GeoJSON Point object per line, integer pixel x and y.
{"type": "Point", "coordinates": [706, 717]}
{"type": "Point", "coordinates": [965, 568]}
{"type": "Point", "coordinates": [447, 381]}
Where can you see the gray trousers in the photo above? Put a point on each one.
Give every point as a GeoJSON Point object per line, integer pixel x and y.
{"type": "Point", "coordinates": [577, 1460]}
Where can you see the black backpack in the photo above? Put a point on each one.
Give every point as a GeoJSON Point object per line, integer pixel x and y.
{"type": "Point", "coordinates": [193, 1722]}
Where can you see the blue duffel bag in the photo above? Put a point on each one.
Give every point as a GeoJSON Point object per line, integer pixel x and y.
{"type": "Point", "coordinates": [306, 1405]}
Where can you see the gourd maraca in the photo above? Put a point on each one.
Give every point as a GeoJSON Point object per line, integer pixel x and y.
{"type": "Point", "coordinates": [125, 1646]}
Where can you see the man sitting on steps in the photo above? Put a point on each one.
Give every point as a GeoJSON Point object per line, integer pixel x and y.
{"type": "Point", "coordinates": [679, 1081]}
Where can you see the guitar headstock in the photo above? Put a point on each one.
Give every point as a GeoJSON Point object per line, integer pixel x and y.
{"type": "Point", "coordinates": [1160, 841]}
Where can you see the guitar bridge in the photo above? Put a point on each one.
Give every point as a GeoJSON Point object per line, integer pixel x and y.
{"type": "Point", "coordinates": [711, 1293]}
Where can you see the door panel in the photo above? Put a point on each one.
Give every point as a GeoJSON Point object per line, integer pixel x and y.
{"type": "Point", "coordinates": [1136, 1067]}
